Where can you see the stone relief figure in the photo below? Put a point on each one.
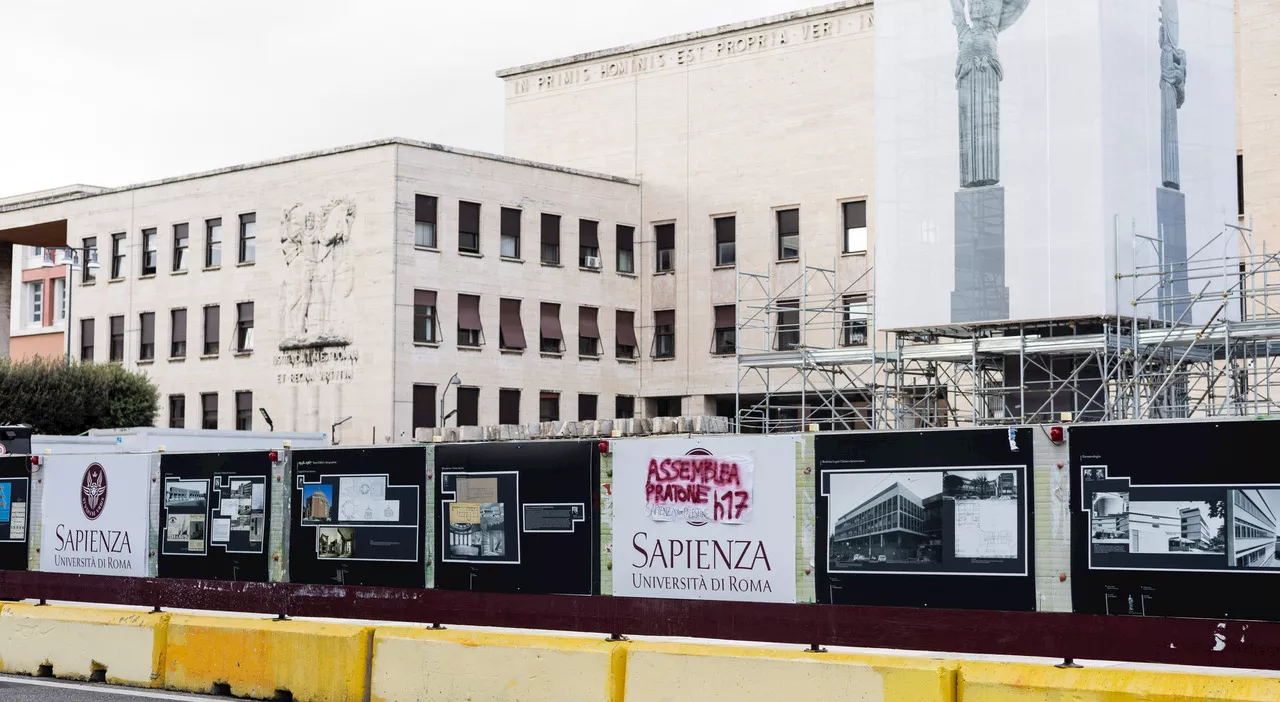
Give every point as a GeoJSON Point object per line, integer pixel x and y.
{"type": "Point", "coordinates": [1173, 92]}
{"type": "Point", "coordinates": [978, 75]}
{"type": "Point", "coordinates": [319, 273]}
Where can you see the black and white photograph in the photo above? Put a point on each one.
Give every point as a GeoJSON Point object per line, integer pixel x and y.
{"type": "Point", "coordinates": [178, 528]}
{"type": "Point", "coordinates": [885, 518]}
{"type": "Point", "coordinates": [256, 528]}
{"type": "Point", "coordinates": [477, 530]}
{"type": "Point", "coordinates": [1095, 473]}
{"type": "Point", "coordinates": [335, 542]}
{"type": "Point", "coordinates": [195, 530]}
{"type": "Point", "coordinates": [1253, 531]}
{"type": "Point", "coordinates": [1190, 527]}
{"type": "Point", "coordinates": [986, 512]}
{"type": "Point", "coordinates": [186, 494]}
{"type": "Point", "coordinates": [1108, 529]}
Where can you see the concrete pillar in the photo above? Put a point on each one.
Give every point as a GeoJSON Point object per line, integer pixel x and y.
{"type": "Point", "coordinates": [6, 295]}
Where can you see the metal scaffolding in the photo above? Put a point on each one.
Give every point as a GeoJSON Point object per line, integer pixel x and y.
{"type": "Point", "coordinates": [808, 352]}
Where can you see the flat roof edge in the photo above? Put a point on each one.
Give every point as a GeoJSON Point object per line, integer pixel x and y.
{"type": "Point", "coordinates": [687, 36]}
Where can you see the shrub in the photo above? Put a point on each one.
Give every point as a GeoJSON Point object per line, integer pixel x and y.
{"type": "Point", "coordinates": [55, 398]}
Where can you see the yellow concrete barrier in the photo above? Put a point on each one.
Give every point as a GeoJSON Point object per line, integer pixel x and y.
{"type": "Point", "coordinates": [678, 672]}
{"type": "Point", "coordinates": [315, 661]}
{"type": "Point", "coordinates": [76, 642]}
{"type": "Point", "coordinates": [419, 665]}
{"type": "Point", "coordinates": [1018, 682]}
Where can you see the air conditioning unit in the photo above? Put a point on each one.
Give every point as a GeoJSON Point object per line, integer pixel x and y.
{"type": "Point", "coordinates": [593, 261]}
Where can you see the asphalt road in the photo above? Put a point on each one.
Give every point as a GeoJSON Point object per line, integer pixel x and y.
{"type": "Point", "coordinates": [19, 689]}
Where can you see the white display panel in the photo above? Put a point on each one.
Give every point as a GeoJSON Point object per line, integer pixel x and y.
{"type": "Point", "coordinates": [95, 514]}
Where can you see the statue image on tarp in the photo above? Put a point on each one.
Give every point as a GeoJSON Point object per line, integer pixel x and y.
{"type": "Point", "coordinates": [1171, 202]}
{"type": "Point", "coordinates": [980, 293]}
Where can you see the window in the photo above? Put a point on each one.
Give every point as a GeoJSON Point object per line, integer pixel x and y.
{"type": "Point", "coordinates": [586, 407]}
{"type": "Point", "coordinates": [248, 237]}
{"type": "Point", "coordinates": [853, 330]}
{"type": "Point", "coordinates": [551, 337]}
{"type": "Point", "coordinates": [788, 320]}
{"type": "Point", "coordinates": [116, 349]}
{"type": "Point", "coordinates": [589, 244]}
{"type": "Point", "coordinates": [855, 226]}
{"type": "Point", "coordinates": [147, 336]}
{"type": "Point", "coordinates": [788, 235]}
{"type": "Point", "coordinates": [244, 327]}
{"type": "Point", "coordinates": [664, 334]}
{"type": "Point", "coordinates": [549, 407]}
{"type": "Point", "coordinates": [213, 243]}
{"type": "Point", "coordinates": [468, 407]}
{"type": "Point", "coordinates": [150, 255]}
{"type": "Point", "coordinates": [117, 256]}
{"type": "Point", "coordinates": [181, 241]}
{"type": "Point", "coordinates": [424, 405]}
{"type": "Point", "coordinates": [469, 327]}
{"type": "Point", "coordinates": [726, 240]}
{"type": "Point", "coordinates": [35, 303]}
{"type": "Point", "coordinates": [665, 235]}
{"type": "Point", "coordinates": [626, 335]}
{"type": "Point", "coordinates": [177, 333]}
{"type": "Point", "coordinates": [510, 328]}
{"type": "Point", "coordinates": [211, 323]}
{"type": "Point", "coordinates": [244, 411]}
{"type": "Point", "coordinates": [551, 239]}
{"type": "Point", "coordinates": [177, 411]}
{"type": "Point", "coordinates": [725, 342]}
{"type": "Point", "coordinates": [60, 299]}
{"type": "Point", "coordinates": [624, 407]}
{"type": "Point", "coordinates": [588, 331]}
{"type": "Point", "coordinates": [469, 227]}
{"type": "Point", "coordinates": [90, 272]}
{"type": "Point", "coordinates": [424, 317]}
{"type": "Point", "coordinates": [424, 223]}
{"type": "Point", "coordinates": [209, 410]}
{"type": "Point", "coordinates": [1240, 184]}
{"type": "Point", "coordinates": [626, 249]}
{"type": "Point", "coordinates": [510, 233]}
{"type": "Point", "coordinates": [86, 340]}
{"type": "Point", "coordinates": [508, 407]}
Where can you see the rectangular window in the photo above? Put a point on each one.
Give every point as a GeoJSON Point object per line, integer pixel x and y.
{"type": "Point", "coordinates": [116, 349]}
{"type": "Point", "coordinates": [177, 333]}
{"type": "Point", "coordinates": [1240, 184]}
{"type": "Point", "coordinates": [726, 240]}
{"type": "Point", "coordinates": [244, 411]}
{"type": "Point", "coordinates": [788, 235]}
{"type": "Point", "coordinates": [424, 222]}
{"type": "Point", "coordinates": [469, 227]}
{"type": "Point", "coordinates": [470, 331]}
{"type": "Point", "coordinates": [209, 410]}
{"type": "Point", "coordinates": [625, 343]}
{"type": "Point", "coordinates": [550, 335]}
{"type": "Point", "coordinates": [510, 233]}
{"type": "Point", "coordinates": [35, 303]}
{"type": "Point", "coordinates": [788, 320]}
{"type": "Point", "coordinates": [424, 317]}
{"type": "Point", "coordinates": [664, 334]}
{"type": "Point", "coordinates": [424, 405]}
{"type": "Point", "coordinates": [508, 407]}
{"type": "Point", "coordinates": [90, 270]}
{"type": "Point", "coordinates": [855, 226]}
{"type": "Point", "coordinates": [177, 411]}
{"type": "Point", "coordinates": [665, 236]}
{"type": "Point", "coordinates": [87, 331]}
{"type": "Point", "coordinates": [181, 242]}
{"type": "Point", "coordinates": [510, 328]}
{"type": "Point", "coordinates": [244, 327]}
{"type": "Point", "coordinates": [150, 254]}
{"type": "Point", "coordinates": [857, 313]}
{"type": "Point", "coordinates": [589, 244]}
{"type": "Point", "coordinates": [248, 237]}
{"type": "Point", "coordinates": [549, 407]}
{"type": "Point", "coordinates": [624, 407]}
{"type": "Point", "coordinates": [60, 299]}
{"type": "Point", "coordinates": [212, 316]}
{"type": "Point", "coordinates": [587, 407]}
{"type": "Point", "coordinates": [726, 330]}
{"type": "Point", "coordinates": [213, 243]}
{"type": "Point", "coordinates": [468, 407]}
{"type": "Point", "coordinates": [588, 331]}
{"type": "Point", "coordinates": [147, 336]}
{"type": "Point", "coordinates": [551, 238]}
{"type": "Point", "coordinates": [117, 256]}
{"type": "Point", "coordinates": [626, 249]}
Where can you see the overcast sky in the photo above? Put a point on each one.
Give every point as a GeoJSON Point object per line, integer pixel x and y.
{"type": "Point", "coordinates": [111, 93]}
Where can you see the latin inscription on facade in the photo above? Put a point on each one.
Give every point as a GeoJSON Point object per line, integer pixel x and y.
{"type": "Point", "coordinates": [331, 366]}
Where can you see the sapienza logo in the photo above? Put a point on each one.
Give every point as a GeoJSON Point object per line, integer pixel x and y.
{"type": "Point", "coordinates": [698, 452]}
{"type": "Point", "coordinates": [93, 491]}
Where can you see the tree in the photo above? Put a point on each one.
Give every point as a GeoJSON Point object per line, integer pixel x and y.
{"type": "Point", "coordinates": [58, 399]}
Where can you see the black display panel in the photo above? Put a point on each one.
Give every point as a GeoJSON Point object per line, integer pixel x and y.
{"type": "Point", "coordinates": [939, 518]}
{"type": "Point", "coordinates": [215, 516]}
{"type": "Point", "coordinates": [15, 439]}
{"type": "Point", "coordinates": [15, 511]}
{"type": "Point", "coordinates": [358, 517]}
{"type": "Point", "coordinates": [518, 517]}
{"type": "Point", "coordinates": [1177, 519]}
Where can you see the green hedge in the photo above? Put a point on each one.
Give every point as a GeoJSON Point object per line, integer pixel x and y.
{"type": "Point", "coordinates": [58, 399]}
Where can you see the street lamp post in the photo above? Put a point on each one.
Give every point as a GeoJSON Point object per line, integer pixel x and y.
{"type": "Point", "coordinates": [455, 380]}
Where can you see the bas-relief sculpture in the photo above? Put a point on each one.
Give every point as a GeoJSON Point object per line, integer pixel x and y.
{"type": "Point", "coordinates": [319, 274]}
{"type": "Point", "coordinates": [1173, 92]}
{"type": "Point", "coordinates": [1171, 203]}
